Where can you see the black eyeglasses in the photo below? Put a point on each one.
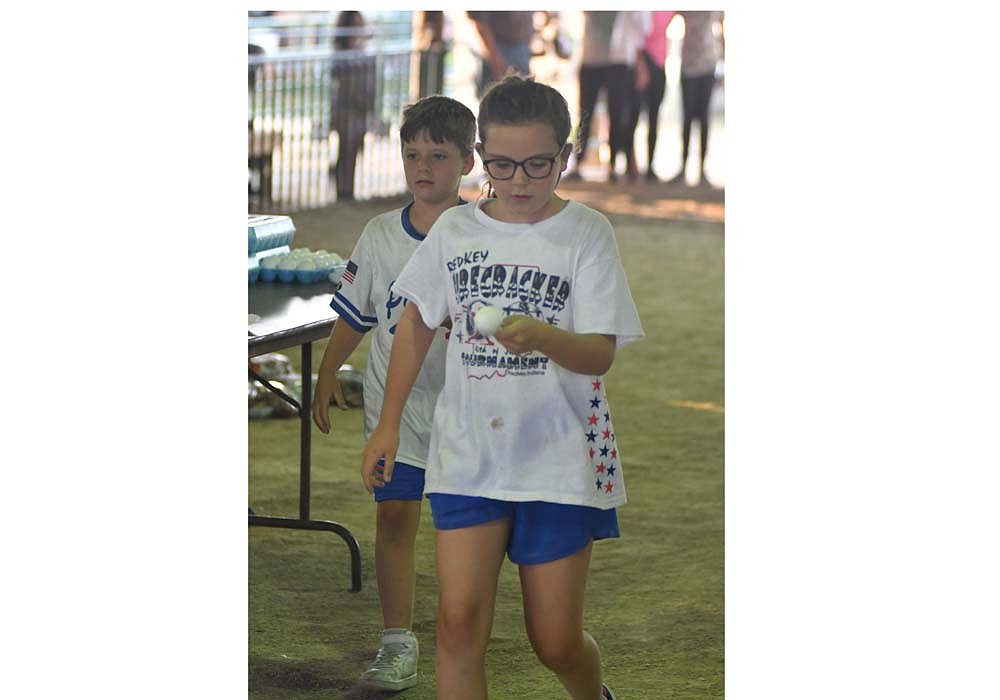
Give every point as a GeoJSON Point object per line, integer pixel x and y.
{"type": "Point", "coordinates": [536, 167]}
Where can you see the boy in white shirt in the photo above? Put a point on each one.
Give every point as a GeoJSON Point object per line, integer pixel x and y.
{"type": "Point", "coordinates": [437, 134]}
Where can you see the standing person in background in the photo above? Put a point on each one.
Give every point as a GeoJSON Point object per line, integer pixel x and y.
{"type": "Point", "coordinates": [506, 40]}
{"type": "Point", "coordinates": [594, 75]}
{"type": "Point", "coordinates": [654, 55]}
{"type": "Point", "coordinates": [700, 56]}
{"type": "Point", "coordinates": [430, 39]}
{"type": "Point", "coordinates": [437, 138]}
{"type": "Point", "coordinates": [612, 43]}
{"type": "Point", "coordinates": [353, 102]}
{"type": "Point", "coordinates": [629, 77]}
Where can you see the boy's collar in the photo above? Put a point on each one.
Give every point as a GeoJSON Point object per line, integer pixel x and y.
{"type": "Point", "coordinates": [408, 225]}
{"type": "Point", "coordinates": [411, 231]}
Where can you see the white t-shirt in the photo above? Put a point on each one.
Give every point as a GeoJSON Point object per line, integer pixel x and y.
{"type": "Point", "coordinates": [367, 300]}
{"type": "Point", "coordinates": [522, 428]}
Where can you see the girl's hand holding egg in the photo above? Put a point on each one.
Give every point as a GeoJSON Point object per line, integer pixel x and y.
{"type": "Point", "coordinates": [487, 319]}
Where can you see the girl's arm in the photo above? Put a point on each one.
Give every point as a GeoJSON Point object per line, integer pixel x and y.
{"type": "Point", "coordinates": [583, 353]}
{"type": "Point", "coordinates": [409, 348]}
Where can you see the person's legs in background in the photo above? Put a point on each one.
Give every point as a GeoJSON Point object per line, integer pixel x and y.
{"type": "Point", "coordinates": [621, 86]}
{"type": "Point", "coordinates": [702, 88]}
{"type": "Point", "coordinates": [687, 107]}
{"type": "Point", "coordinates": [348, 148]}
{"type": "Point", "coordinates": [652, 99]}
{"type": "Point", "coordinates": [696, 95]}
{"type": "Point", "coordinates": [591, 78]}
{"type": "Point", "coordinates": [631, 122]}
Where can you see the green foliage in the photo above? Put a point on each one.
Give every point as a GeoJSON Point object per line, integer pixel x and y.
{"type": "Point", "coordinates": [655, 596]}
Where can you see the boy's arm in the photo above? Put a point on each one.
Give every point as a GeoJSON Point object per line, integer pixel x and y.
{"type": "Point", "coordinates": [583, 353]}
{"type": "Point", "coordinates": [409, 348]}
{"type": "Point", "coordinates": [343, 341]}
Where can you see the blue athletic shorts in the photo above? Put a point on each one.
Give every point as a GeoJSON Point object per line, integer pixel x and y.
{"type": "Point", "coordinates": [540, 532]}
{"type": "Point", "coordinates": [407, 484]}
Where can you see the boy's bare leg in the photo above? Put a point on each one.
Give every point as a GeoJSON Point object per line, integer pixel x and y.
{"type": "Point", "coordinates": [468, 566]}
{"type": "Point", "coordinates": [553, 612]}
{"type": "Point", "coordinates": [396, 524]}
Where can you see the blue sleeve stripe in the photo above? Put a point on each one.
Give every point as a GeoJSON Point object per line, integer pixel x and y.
{"type": "Point", "coordinates": [353, 324]}
{"type": "Point", "coordinates": [349, 313]}
{"type": "Point", "coordinates": [343, 301]}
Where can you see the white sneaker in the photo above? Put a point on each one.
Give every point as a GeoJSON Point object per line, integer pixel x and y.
{"type": "Point", "coordinates": [395, 667]}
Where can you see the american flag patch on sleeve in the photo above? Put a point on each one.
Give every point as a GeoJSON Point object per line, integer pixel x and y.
{"type": "Point", "coordinates": [348, 275]}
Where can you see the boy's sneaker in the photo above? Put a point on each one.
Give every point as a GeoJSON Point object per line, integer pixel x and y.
{"type": "Point", "coordinates": [395, 667]}
{"type": "Point", "coordinates": [606, 693]}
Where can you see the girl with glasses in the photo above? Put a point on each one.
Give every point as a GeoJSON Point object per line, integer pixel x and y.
{"type": "Point", "coordinates": [523, 459]}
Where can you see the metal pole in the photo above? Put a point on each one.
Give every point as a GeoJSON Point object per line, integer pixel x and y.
{"type": "Point", "coordinates": [304, 431]}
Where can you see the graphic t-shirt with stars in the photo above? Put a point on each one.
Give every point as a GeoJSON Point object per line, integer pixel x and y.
{"type": "Point", "coordinates": [522, 428]}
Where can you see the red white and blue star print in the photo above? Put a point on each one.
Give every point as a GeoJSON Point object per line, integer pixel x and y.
{"type": "Point", "coordinates": [601, 448]}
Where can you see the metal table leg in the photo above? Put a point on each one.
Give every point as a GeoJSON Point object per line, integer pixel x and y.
{"type": "Point", "coordinates": [304, 522]}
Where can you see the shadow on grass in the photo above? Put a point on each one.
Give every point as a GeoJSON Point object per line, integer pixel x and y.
{"type": "Point", "coordinates": [276, 678]}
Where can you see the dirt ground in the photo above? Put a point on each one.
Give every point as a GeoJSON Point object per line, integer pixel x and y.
{"type": "Point", "coordinates": [338, 226]}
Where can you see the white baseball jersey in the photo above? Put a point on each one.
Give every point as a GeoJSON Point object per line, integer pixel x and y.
{"type": "Point", "coordinates": [522, 428]}
{"type": "Point", "coordinates": [367, 300]}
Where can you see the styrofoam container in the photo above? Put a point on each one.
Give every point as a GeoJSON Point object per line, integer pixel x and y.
{"type": "Point", "coordinates": [335, 273]}
{"type": "Point", "coordinates": [266, 231]}
{"type": "Point", "coordinates": [301, 266]}
{"type": "Point", "coordinates": [268, 274]}
{"type": "Point", "coordinates": [305, 275]}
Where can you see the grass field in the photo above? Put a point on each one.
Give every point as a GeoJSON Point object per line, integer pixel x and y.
{"type": "Point", "coordinates": [655, 596]}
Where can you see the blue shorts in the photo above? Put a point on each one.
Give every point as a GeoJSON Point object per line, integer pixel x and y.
{"type": "Point", "coordinates": [407, 484]}
{"type": "Point", "coordinates": [539, 532]}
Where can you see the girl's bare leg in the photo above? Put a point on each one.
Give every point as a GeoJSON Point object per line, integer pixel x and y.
{"type": "Point", "coordinates": [553, 612]}
{"type": "Point", "coordinates": [468, 566]}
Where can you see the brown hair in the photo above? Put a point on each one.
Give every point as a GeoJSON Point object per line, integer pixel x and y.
{"type": "Point", "coordinates": [445, 120]}
{"type": "Point", "coordinates": [518, 100]}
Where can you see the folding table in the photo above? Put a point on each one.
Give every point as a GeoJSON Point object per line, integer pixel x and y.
{"type": "Point", "coordinates": [285, 315]}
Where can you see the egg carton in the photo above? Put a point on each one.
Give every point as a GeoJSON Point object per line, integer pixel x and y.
{"type": "Point", "coordinates": [253, 262]}
{"type": "Point", "coordinates": [267, 231]}
{"type": "Point", "coordinates": [300, 266]}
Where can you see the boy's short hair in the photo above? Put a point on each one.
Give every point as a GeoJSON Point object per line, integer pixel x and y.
{"type": "Point", "coordinates": [444, 119]}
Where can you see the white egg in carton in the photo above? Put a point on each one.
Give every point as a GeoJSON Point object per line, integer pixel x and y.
{"type": "Point", "coordinates": [302, 266]}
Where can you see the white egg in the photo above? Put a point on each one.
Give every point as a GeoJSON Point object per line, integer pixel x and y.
{"type": "Point", "coordinates": [488, 319]}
